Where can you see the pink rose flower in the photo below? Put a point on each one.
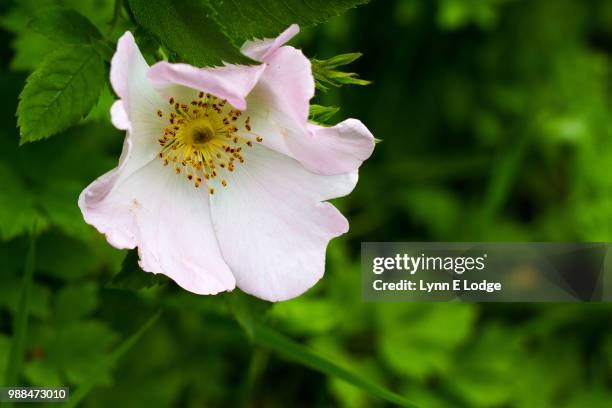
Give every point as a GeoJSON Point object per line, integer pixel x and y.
{"type": "Point", "coordinates": [222, 181]}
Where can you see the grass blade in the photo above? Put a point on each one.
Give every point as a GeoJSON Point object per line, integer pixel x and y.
{"type": "Point", "coordinates": [13, 369]}
{"type": "Point", "coordinates": [295, 352]}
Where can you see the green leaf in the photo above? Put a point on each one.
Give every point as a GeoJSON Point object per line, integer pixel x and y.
{"type": "Point", "coordinates": [186, 30]}
{"type": "Point", "coordinates": [104, 48]}
{"type": "Point", "coordinates": [64, 25]}
{"type": "Point", "coordinates": [246, 19]}
{"type": "Point", "coordinates": [53, 198]}
{"type": "Point", "coordinates": [75, 302]}
{"type": "Point", "coordinates": [18, 210]}
{"type": "Point", "coordinates": [295, 352]}
{"type": "Point", "coordinates": [326, 74]}
{"type": "Point", "coordinates": [424, 346]}
{"type": "Point", "coordinates": [10, 292]}
{"type": "Point", "coordinates": [110, 362]}
{"type": "Point", "coordinates": [80, 350]}
{"type": "Point", "coordinates": [321, 114]}
{"type": "Point", "coordinates": [39, 372]}
{"type": "Point", "coordinates": [483, 369]}
{"type": "Point", "coordinates": [60, 92]}
{"type": "Point", "coordinates": [131, 277]}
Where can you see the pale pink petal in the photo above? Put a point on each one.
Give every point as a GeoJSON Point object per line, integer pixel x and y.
{"type": "Point", "coordinates": [333, 150]}
{"type": "Point", "coordinates": [139, 99]}
{"type": "Point", "coordinates": [167, 218]}
{"type": "Point", "coordinates": [270, 123]}
{"type": "Point", "coordinates": [231, 82]}
{"type": "Point", "coordinates": [285, 87]}
{"type": "Point", "coordinates": [120, 63]}
{"type": "Point", "coordinates": [283, 93]}
{"type": "Point", "coordinates": [136, 111]}
{"type": "Point", "coordinates": [95, 194]}
{"type": "Point", "coordinates": [272, 224]}
{"type": "Point", "coordinates": [261, 49]}
{"type": "Point", "coordinates": [119, 116]}
{"type": "Point", "coordinates": [126, 61]}
{"type": "Point", "coordinates": [278, 105]}
{"type": "Point", "coordinates": [128, 74]}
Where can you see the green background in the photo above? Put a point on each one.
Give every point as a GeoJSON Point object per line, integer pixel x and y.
{"type": "Point", "coordinates": [496, 122]}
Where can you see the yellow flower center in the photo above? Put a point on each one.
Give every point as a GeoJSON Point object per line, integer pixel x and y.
{"type": "Point", "coordinates": [204, 138]}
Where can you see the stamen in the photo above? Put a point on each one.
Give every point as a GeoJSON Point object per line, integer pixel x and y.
{"type": "Point", "coordinates": [203, 137]}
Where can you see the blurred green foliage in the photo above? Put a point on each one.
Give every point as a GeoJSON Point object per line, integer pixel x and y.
{"type": "Point", "coordinates": [496, 120]}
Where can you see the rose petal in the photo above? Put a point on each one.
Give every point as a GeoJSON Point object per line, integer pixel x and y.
{"type": "Point", "coordinates": [128, 73]}
{"type": "Point", "coordinates": [231, 82]}
{"type": "Point", "coordinates": [272, 225]}
{"type": "Point", "coordinates": [261, 49]}
{"type": "Point", "coordinates": [136, 111]}
{"type": "Point", "coordinates": [333, 150]}
{"type": "Point", "coordinates": [167, 218]}
{"type": "Point", "coordinates": [278, 105]}
{"type": "Point", "coordinates": [94, 195]}
{"type": "Point", "coordinates": [119, 116]}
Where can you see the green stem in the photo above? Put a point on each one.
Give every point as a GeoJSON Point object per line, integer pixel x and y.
{"type": "Point", "coordinates": [15, 363]}
{"type": "Point", "coordinates": [257, 365]}
{"type": "Point", "coordinates": [116, 16]}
